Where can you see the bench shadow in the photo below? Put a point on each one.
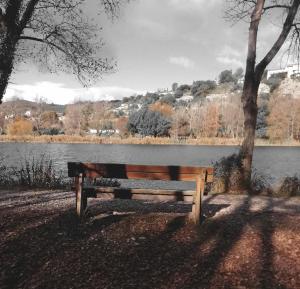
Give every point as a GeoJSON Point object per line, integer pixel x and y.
{"type": "Point", "coordinates": [143, 206]}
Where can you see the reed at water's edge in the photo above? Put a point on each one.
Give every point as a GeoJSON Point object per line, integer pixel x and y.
{"type": "Point", "coordinates": [139, 140]}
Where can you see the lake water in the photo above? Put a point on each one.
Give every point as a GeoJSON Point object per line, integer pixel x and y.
{"type": "Point", "coordinates": [277, 162]}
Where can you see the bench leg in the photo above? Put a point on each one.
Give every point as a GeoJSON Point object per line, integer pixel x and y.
{"type": "Point", "coordinates": [197, 204]}
{"type": "Point", "coordinates": [81, 199]}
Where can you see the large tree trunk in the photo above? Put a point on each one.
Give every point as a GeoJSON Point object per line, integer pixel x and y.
{"type": "Point", "coordinates": [250, 116]}
{"type": "Point", "coordinates": [7, 51]}
{"type": "Point", "coordinates": [8, 42]}
{"type": "Point", "coordinates": [249, 97]}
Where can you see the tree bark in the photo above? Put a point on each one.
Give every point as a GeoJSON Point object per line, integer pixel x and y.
{"type": "Point", "coordinates": [249, 97]}
{"type": "Point", "coordinates": [7, 51]}
{"type": "Point", "coordinates": [8, 43]}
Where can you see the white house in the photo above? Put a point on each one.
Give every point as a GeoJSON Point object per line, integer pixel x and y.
{"type": "Point", "coordinates": [290, 70]}
{"type": "Point", "coordinates": [264, 88]}
{"type": "Point", "coordinates": [186, 98]}
{"type": "Point", "coordinates": [93, 131]}
{"type": "Point", "coordinates": [28, 113]}
{"type": "Point", "coordinates": [217, 97]}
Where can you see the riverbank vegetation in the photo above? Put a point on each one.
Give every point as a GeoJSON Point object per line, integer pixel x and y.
{"type": "Point", "coordinates": [204, 112]}
{"type": "Point", "coordinates": [32, 172]}
{"type": "Point", "coordinates": [148, 140]}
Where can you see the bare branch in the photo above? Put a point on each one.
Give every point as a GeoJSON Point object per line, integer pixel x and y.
{"type": "Point", "coordinates": [24, 37]}
{"type": "Point", "coordinates": [288, 24]}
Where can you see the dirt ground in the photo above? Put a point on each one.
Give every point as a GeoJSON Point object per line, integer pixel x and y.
{"type": "Point", "coordinates": [244, 242]}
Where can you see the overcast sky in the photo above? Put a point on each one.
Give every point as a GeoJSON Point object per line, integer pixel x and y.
{"type": "Point", "coordinates": [155, 43]}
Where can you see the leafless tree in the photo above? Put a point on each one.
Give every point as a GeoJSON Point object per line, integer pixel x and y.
{"type": "Point", "coordinates": [54, 33]}
{"type": "Point", "coordinates": [290, 28]}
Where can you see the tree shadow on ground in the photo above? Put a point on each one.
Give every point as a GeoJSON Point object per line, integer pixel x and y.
{"type": "Point", "coordinates": [139, 251]}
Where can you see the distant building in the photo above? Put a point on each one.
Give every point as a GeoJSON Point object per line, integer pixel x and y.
{"type": "Point", "coordinates": [93, 131]}
{"type": "Point", "coordinates": [61, 118]}
{"type": "Point", "coordinates": [10, 116]}
{"type": "Point", "coordinates": [108, 132]}
{"type": "Point", "coordinates": [27, 113]}
{"type": "Point", "coordinates": [217, 97]}
{"type": "Point", "coordinates": [264, 88]}
{"type": "Point", "coordinates": [291, 69]}
{"type": "Point", "coordinates": [186, 98]}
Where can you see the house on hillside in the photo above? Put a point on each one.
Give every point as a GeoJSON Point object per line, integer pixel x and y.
{"type": "Point", "coordinates": [27, 113]}
{"type": "Point", "coordinates": [291, 69]}
{"type": "Point", "coordinates": [93, 131]}
{"type": "Point", "coordinates": [217, 97]}
{"type": "Point", "coordinates": [264, 88]}
{"type": "Point", "coordinates": [185, 98]}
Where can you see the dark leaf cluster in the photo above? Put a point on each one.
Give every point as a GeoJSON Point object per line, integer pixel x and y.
{"type": "Point", "coordinates": [148, 123]}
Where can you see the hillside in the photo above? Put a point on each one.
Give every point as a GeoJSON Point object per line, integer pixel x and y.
{"type": "Point", "coordinates": [20, 106]}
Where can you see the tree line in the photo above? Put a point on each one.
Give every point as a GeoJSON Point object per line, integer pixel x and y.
{"type": "Point", "coordinates": [278, 116]}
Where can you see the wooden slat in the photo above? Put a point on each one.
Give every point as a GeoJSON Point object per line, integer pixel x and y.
{"type": "Point", "coordinates": [139, 191]}
{"type": "Point", "coordinates": [124, 171]}
{"type": "Point", "coordinates": [161, 198]}
{"type": "Point", "coordinates": [81, 199]}
{"type": "Point", "coordinates": [140, 194]}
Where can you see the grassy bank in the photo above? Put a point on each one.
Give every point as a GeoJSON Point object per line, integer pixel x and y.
{"type": "Point", "coordinates": [138, 140]}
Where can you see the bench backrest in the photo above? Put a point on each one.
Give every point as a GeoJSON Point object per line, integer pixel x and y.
{"type": "Point", "coordinates": [149, 172]}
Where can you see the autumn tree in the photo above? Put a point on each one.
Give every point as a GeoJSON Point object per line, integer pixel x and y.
{"type": "Point", "coordinates": [284, 118]}
{"type": "Point", "coordinates": [101, 116]}
{"type": "Point", "coordinates": [255, 10]}
{"type": "Point", "coordinates": [232, 117]}
{"type": "Point", "coordinates": [53, 33]}
{"type": "Point", "coordinates": [50, 123]}
{"type": "Point", "coordinates": [181, 122]}
{"type": "Point", "coordinates": [164, 108]}
{"type": "Point", "coordinates": [121, 125]}
{"type": "Point", "coordinates": [20, 126]}
{"type": "Point", "coordinates": [72, 123]}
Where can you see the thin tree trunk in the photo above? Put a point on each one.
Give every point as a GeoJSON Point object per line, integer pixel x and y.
{"type": "Point", "coordinates": [250, 115]}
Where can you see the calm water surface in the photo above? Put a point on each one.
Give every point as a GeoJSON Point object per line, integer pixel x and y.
{"type": "Point", "coordinates": [274, 161]}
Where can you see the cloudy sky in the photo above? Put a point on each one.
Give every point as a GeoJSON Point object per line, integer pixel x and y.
{"type": "Point", "coordinates": [155, 44]}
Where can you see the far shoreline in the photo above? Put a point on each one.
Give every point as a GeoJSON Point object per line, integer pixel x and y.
{"type": "Point", "coordinates": [77, 139]}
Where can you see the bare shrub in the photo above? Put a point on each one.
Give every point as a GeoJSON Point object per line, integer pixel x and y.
{"type": "Point", "coordinates": [289, 187]}
{"type": "Point", "coordinates": [39, 172]}
{"type": "Point", "coordinates": [5, 173]}
{"type": "Point", "coordinates": [260, 183]}
{"type": "Point", "coordinates": [36, 172]}
{"type": "Point", "coordinates": [228, 178]}
{"type": "Point", "coordinates": [227, 175]}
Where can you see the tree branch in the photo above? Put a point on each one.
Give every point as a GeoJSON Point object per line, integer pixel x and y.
{"type": "Point", "coordinates": [276, 6]}
{"type": "Point", "coordinates": [41, 40]}
{"type": "Point", "coordinates": [280, 40]}
{"type": "Point", "coordinates": [27, 14]}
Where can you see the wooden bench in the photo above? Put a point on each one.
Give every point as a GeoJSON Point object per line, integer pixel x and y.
{"type": "Point", "coordinates": [91, 171]}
